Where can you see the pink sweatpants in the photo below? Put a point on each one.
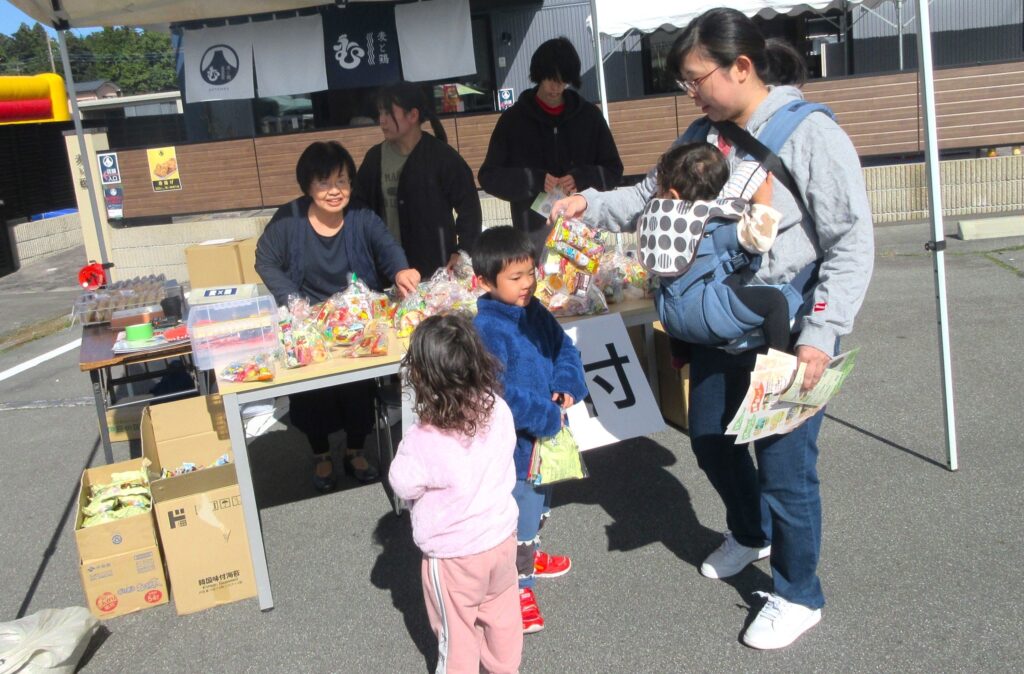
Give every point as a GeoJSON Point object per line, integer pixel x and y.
{"type": "Point", "coordinates": [473, 606]}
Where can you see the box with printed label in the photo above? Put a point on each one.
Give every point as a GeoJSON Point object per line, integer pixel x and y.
{"type": "Point", "coordinates": [199, 514]}
{"type": "Point", "coordinates": [119, 561]}
{"type": "Point", "coordinates": [202, 530]}
{"type": "Point", "coordinates": [126, 583]}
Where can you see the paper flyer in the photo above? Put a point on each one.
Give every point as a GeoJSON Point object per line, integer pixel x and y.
{"type": "Point", "coordinates": [774, 404]}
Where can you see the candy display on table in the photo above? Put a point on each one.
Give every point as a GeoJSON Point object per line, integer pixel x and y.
{"type": "Point", "coordinates": [302, 342]}
{"type": "Point", "coordinates": [127, 494]}
{"type": "Point", "coordinates": [374, 342]}
{"type": "Point", "coordinates": [255, 368]}
{"type": "Point", "coordinates": [343, 316]}
{"type": "Point", "coordinates": [621, 277]}
{"type": "Point", "coordinates": [446, 291]}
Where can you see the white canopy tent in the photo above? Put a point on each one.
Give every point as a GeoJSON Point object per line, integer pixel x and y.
{"type": "Point", "coordinates": [615, 18]}
{"type": "Point", "coordinates": [609, 17]}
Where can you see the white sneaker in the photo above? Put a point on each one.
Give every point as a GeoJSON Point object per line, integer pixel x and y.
{"type": "Point", "coordinates": [779, 623]}
{"type": "Point", "coordinates": [731, 557]}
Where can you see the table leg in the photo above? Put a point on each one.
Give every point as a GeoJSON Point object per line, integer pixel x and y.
{"type": "Point", "coordinates": [252, 514]}
{"type": "Point", "coordinates": [100, 396]}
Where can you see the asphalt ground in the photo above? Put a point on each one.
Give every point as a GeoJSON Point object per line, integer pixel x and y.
{"type": "Point", "coordinates": [921, 566]}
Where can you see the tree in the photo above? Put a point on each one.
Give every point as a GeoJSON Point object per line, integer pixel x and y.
{"type": "Point", "coordinates": [25, 52]}
{"type": "Point", "coordinates": [139, 61]}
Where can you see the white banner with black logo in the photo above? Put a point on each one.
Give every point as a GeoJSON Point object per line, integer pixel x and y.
{"type": "Point", "coordinates": [218, 63]}
{"type": "Point", "coordinates": [289, 56]}
{"type": "Point", "coordinates": [435, 39]}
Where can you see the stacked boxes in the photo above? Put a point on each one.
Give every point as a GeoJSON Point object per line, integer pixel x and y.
{"type": "Point", "coordinates": [222, 263]}
{"type": "Point", "coordinates": [199, 514]}
{"type": "Point", "coordinates": [119, 561]}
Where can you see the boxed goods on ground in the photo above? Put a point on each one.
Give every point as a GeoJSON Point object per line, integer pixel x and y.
{"type": "Point", "coordinates": [222, 262]}
{"type": "Point", "coordinates": [673, 384]}
{"type": "Point", "coordinates": [197, 504]}
{"type": "Point", "coordinates": [236, 338]}
{"type": "Point", "coordinates": [119, 560]}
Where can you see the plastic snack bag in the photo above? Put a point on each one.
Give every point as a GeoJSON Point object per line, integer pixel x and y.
{"type": "Point", "coordinates": [556, 459]}
{"type": "Point", "coordinates": [255, 368]}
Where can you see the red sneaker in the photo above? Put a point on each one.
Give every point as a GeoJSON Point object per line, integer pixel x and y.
{"type": "Point", "coordinates": [533, 621]}
{"type": "Point", "coordinates": [550, 566]}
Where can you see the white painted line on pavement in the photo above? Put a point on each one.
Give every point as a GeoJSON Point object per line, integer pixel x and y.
{"type": "Point", "coordinates": [29, 364]}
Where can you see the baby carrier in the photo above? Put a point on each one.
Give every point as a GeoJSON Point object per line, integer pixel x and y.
{"type": "Point", "coordinates": [694, 303]}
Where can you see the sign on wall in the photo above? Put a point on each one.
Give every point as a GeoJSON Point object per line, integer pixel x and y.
{"type": "Point", "coordinates": [110, 172]}
{"type": "Point", "coordinates": [218, 63]}
{"type": "Point", "coordinates": [113, 198]}
{"type": "Point", "coordinates": [506, 97]}
{"type": "Point", "coordinates": [620, 405]}
{"type": "Point", "coordinates": [163, 169]}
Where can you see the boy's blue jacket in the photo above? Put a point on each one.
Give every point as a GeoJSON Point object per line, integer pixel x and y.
{"type": "Point", "coordinates": [538, 359]}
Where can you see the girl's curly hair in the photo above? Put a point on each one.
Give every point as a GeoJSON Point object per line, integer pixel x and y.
{"type": "Point", "coordinates": [454, 377]}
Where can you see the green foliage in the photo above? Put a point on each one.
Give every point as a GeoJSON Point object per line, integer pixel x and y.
{"type": "Point", "coordinates": [138, 61]}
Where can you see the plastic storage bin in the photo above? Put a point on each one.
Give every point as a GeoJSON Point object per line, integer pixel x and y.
{"type": "Point", "coordinates": [232, 331]}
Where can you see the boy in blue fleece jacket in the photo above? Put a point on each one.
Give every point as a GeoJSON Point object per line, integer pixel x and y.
{"type": "Point", "coordinates": [542, 377]}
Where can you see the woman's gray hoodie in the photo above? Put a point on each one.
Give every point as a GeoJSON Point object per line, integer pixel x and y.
{"type": "Point", "coordinates": [839, 231]}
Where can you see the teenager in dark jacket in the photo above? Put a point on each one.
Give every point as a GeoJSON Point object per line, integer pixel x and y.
{"type": "Point", "coordinates": [552, 137]}
{"type": "Point", "coordinates": [311, 248]}
{"type": "Point", "coordinates": [414, 180]}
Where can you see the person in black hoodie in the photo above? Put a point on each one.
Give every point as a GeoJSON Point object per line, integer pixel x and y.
{"type": "Point", "coordinates": [551, 138]}
{"type": "Point", "coordinates": [414, 180]}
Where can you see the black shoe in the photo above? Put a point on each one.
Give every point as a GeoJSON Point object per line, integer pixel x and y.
{"type": "Point", "coordinates": [364, 475]}
{"type": "Point", "coordinates": [324, 484]}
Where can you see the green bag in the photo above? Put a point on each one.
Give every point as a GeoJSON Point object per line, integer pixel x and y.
{"type": "Point", "coordinates": [556, 459]}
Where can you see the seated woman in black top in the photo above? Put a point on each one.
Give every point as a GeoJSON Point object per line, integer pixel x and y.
{"type": "Point", "coordinates": [310, 248]}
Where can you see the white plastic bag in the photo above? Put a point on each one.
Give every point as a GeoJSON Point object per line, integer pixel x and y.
{"type": "Point", "coordinates": [52, 640]}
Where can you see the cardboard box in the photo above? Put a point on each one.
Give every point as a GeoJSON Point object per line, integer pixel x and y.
{"type": "Point", "coordinates": [247, 260]}
{"type": "Point", "coordinates": [222, 263]}
{"type": "Point", "coordinates": [213, 264]}
{"type": "Point", "coordinates": [673, 384]}
{"type": "Point", "coordinates": [199, 515]}
{"type": "Point", "coordinates": [119, 562]}
{"type": "Point", "coordinates": [123, 423]}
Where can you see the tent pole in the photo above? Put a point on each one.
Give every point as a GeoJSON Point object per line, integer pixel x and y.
{"type": "Point", "coordinates": [76, 116]}
{"type": "Point", "coordinates": [599, 62]}
{"type": "Point", "coordinates": [938, 243]}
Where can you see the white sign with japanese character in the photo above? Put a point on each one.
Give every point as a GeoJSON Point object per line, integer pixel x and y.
{"type": "Point", "coordinates": [620, 405]}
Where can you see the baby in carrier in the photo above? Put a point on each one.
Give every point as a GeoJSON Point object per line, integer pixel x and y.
{"type": "Point", "coordinates": [703, 235]}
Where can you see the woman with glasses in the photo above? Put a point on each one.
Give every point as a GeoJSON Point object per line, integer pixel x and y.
{"type": "Point", "coordinates": [773, 507]}
{"type": "Point", "coordinates": [551, 139]}
{"type": "Point", "coordinates": [311, 248]}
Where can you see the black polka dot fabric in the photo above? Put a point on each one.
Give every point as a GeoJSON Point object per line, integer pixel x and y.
{"type": "Point", "coordinates": [669, 231]}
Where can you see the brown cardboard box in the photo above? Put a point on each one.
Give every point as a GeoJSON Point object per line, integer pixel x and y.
{"type": "Point", "coordinates": [119, 562]}
{"type": "Point", "coordinates": [673, 384]}
{"type": "Point", "coordinates": [213, 264]}
{"type": "Point", "coordinates": [123, 423]}
{"type": "Point", "coordinates": [199, 515]}
{"type": "Point", "coordinates": [247, 260]}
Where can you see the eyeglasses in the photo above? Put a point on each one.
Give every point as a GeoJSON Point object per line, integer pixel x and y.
{"type": "Point", "coordinates": [690, 86]}
{"type": "Point", "coordinates": [326, 185]}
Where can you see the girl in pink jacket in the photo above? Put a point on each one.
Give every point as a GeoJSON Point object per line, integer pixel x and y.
{"type": "Point", "coordinates": [455, 465]}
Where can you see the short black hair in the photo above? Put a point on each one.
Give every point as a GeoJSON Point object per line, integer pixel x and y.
{"type": "Point", "coordinates": [697, 171]}
{"type": "Point", "coordinates": [320, 160]}
{"type": "Point", "coordinates": [497, 248]}
{"type": "Point", "coordinates": [556, 59]}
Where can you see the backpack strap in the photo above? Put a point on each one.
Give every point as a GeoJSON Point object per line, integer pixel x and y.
{"type": "Point", "coordinates": [776, 132]}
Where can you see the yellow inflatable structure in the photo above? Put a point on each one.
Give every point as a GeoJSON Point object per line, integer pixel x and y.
{"type": "Point", "coordinates": [27, 99]}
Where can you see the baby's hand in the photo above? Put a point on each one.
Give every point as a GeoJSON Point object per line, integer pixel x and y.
{"type": "Point", "coordinates": [763, 195]}
{"type": "Point", "coordinates": [563, 400]}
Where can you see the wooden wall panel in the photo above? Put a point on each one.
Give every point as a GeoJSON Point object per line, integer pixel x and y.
{"type": "Point", "coordinates": [642, 130]}
{"type": "Point", "coordinates": [214, 177]}
{"type": "Point", "coordinates": [473, 135]}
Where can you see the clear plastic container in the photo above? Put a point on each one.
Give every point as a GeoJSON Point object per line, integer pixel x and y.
{"type": "Point", "coordinates": [232, 331]}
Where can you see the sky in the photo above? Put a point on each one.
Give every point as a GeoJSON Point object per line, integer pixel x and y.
{"type": "Point", "coordinates": [11, 18]}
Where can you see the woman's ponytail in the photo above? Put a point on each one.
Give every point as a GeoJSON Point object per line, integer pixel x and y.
{"type": "Point", "coordinates": [435, 123]}
{"type": "Point", "coordinates": [783, 64]}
